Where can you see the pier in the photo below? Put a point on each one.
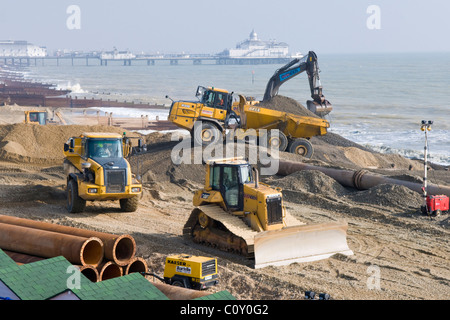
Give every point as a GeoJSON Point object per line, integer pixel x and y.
{"type": "Point", "coordinates": [169, 59]}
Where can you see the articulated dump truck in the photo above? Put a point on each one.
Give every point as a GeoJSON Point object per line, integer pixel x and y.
{"type": "Point", "coordinates": [235, 212]}
{"type": "Point", "coordinates": [97, 170]}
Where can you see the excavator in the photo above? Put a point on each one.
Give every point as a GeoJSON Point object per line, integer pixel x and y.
{"type": "Point", "coordinates": [319, 105]}
{"type": "Point", "coordinates": [235, 212]}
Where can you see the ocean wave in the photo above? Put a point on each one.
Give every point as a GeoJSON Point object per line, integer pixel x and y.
{"type": "Point", "coordinates": [441, 159]}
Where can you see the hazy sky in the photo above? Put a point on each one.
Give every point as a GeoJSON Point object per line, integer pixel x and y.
{"type": "Point", "coordinates": [202, 26]}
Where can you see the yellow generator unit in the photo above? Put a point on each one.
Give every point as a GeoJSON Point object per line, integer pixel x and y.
{"type": "Point", "coordinates": [235, 212]}
{"type": "Point", "coordinates": [192, 272]}
{"type": "Point", "coordinates": [97, 170]}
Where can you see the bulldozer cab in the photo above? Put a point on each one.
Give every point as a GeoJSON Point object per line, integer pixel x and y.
{"type": "Point", "coordinates": [38, 117]}
{"type": "Point", "coordinates": [229, 178]}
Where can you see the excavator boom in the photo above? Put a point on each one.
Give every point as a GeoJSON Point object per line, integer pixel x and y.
{"type": "Point", "coordinates": [319, 105]}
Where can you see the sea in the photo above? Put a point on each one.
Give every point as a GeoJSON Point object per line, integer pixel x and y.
{"type": "Point", "coordinates": [379, 100]}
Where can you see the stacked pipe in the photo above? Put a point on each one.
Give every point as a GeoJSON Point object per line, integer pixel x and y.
{"type": "Point", "coordinates": [111, 255]}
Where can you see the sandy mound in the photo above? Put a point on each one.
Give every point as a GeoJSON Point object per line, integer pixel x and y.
{"type": "Point", "coordinates": [41, 144]}
{"type": "Point", "coordinates": [311, 181]}
{"type": "Point", "coordinates": [389, 195]}
{"type": "Point", "coordinates": [289, 105]}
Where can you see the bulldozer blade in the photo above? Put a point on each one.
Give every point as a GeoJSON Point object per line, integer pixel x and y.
{"type": "Point", "coordinates": [303, 243]}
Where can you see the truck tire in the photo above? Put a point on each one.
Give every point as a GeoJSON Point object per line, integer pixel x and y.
{"type": "Point", "coordinates": [271, 139]}
{"type": "Point", "coordinates": [129, 205]}
{"type": "Point", "coordinates": [301, 147]}
{"type": "Point", "coordinates": [205, 133]}
{"type": "Point", "coordinates": [75, 204]}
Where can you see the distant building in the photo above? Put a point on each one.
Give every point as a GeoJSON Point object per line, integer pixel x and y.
{"type": "Point", "coordinates": [116, 55]}
{"type": "Point", "coordinates": [21, 49]}
{"type": "Point", "coordinates": [256, 48]}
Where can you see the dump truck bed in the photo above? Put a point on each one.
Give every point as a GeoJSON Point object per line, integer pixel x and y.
{"type": "Point", "coordinates": [291, 125]}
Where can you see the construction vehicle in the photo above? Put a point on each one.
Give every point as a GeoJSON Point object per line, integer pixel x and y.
{"type": "Point", "coordinates": [97, 170]}
{"type": "Point", "coordinates": [319, 105]}
{"type": "Point", "coordinates": [188, 271]}
{"type": "Point", "coordinates": [35, 117]}
{"type": "Point", "coordinates": [209, 119]}
{"type": "Point", "coordinates": [235, 212]}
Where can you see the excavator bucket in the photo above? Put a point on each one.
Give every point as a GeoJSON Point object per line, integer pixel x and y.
{"type": "Point", "coordinates": [301, 243]}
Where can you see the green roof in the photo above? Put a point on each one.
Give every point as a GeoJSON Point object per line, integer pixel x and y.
{"type": "Point", "coordinates": [49, 277]}
{"type": "Point", "coordinates": [39, 280]}
{"type": "Point", "coordinates": [221, 295]}
{"type": "Point", "coordinates": [130, 287]}
{"type": "Point", "coordinates": [6, 261]}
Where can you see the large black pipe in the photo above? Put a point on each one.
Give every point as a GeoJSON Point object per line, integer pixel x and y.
{"type": "Point", "coordinates": [360, 179]}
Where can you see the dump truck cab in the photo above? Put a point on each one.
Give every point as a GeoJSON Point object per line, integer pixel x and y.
{"type": "Point", "coordinates": [97, 170]}
{"type": "Point", "coordinates": [206, 119]}
{"type": "Point", "coordinates": [213, 105]}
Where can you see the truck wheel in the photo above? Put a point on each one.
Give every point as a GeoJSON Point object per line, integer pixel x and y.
{"type": "Point", "coordinates": [206, 133]}
{"type": "Point", "coordinates": [129, 205]}
{"type": "Point", "coordinates": [181, 282]}
{"type": "Point", "coordinates": [273, 140]}
{"type": "Point", "coordinates": [178, 283]}
{"type": "Point", "coordinates": [75, 204]}
{"type": "Point", "coordinates": [301, 147]}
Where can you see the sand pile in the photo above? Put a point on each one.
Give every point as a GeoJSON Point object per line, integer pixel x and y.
{"type": "Point", "coordinates": [40, 144]}
{"type": "Point", "coordinates": [286, 104]}
{"type": "Point", "coordinates": [389, 196]}
{"type": "Point", "coordinates": [311, 181]}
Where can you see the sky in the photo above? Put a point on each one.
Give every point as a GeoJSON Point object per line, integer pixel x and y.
{"type": "Point", "coordinates": [210, 26]}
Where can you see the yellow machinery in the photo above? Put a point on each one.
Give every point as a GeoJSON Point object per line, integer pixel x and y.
{"type": "Point", "coordinates": [209, 119]}
{"type": "Point", "coordinates": [235, 212]}
{"type": "Point", "coordinates": [37, 117]}
{"type": "Point", "coordinates": [97, 170]}
{"type": "Point", "coordinates": [192, 272]}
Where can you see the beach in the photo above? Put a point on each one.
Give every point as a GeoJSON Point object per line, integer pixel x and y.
{"type": "Point", "coordinates": [390, 238]}
{"type": "Point", "coordinates": [398, 253]}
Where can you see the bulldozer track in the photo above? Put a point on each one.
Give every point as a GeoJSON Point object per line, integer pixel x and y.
{"type": "Point", "coordinates": [233, 224]}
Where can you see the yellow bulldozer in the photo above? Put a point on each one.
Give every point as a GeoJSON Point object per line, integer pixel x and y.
{"type": "Point", "coordinates": [235, 212]}
{"type": "Point", "coordinates": [36, 117]}
{"type": "Point", "coordinates": [97, 170]}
